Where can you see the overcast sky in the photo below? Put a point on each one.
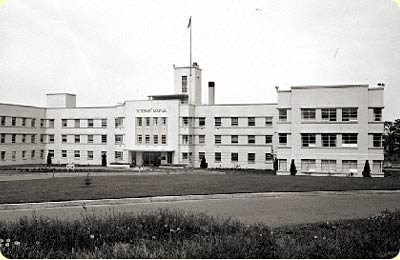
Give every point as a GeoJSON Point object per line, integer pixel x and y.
{"type": "Point", "coordinates": [109, 51]}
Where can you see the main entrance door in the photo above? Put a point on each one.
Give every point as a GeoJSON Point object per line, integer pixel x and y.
{"type": "Point", "coordinates": [151, 158]}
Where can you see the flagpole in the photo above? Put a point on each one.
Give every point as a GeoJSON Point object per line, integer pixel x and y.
{"type": "Point", "coordinates": [190, 64]}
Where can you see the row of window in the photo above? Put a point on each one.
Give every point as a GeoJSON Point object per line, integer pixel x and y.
{"type": "Point", "coordinates": [330, 140]}
{"type": "Point", "coordinates": [149, 140]}
{"type": "Point", "coordinates": [330, 166]}
{"type": "Point", "coordinates": [18, 138]}
{"type": "Point", "coordinates": [17, 121]}
{"type": "Point", "coordinates": [232, 157]}
{"type": "Point", "coordinates": [234, 121]}
{"type": "Point", "coordinates": [24, 155]}
{"type": "Point", "coordinates": [330, 114]}
{"type": "Point", "coordinates": [147, 121]}
{"type": "Point", "coordinates": [234, 139]}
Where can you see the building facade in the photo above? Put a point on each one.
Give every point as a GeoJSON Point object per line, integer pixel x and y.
{"type": "Point", "coordinates": [327, 130]}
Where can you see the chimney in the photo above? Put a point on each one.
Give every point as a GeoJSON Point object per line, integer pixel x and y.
{"type": "Point", "coordinates": [211, 93]}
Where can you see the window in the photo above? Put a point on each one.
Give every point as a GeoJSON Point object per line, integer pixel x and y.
{"type": "Point", "coordinates": [77, 138]}
{"type": "Point", "coordinates": [185, 156]}
{"type": "Point", "coordinates": [268, 121]}
{"type": "Point", "coordinates": [217, 139]}
{"type": "Point", "coordinates": [282, 115]}
{"type": "Point", "coordinates": [3, 155]}
{"type": "Point", "coordinates": [163, 139]}
{"type": "Point", "coordinates": [185, 139]}
{"type": "Point", "coordinates": [33, 122]}
{"type": "Point", "coordinates": [234, 157]}
{"type": "Point", "coordinates": [23, 121]}
{"type": "Point", "coordinates": [77, 123]}
{"type": "Point", "coordinates": [251, 121]}
{"type": "Point", "coordinates": [104, 139]}
{"type": "Point", "coordinates": [377, 140]}
{"type": "Point", "coordinates": [139, 139]}
{"type": "Point", "coordinates": [13, 155]}
{"type": "Point", "coordinates": [234, 139]}
{"type": "Point", "coordinates": [217, 157]}
{"type": "Point", "coordinates": [90, 139]}
{"type": "Point", "coordinates": [377, 114]}
{"type": "Point", "coordinates": [268, 139]}
{"type": "Point", "coordinates": [147, 119]}
{"type": "Point", "coordinates": [23, 155]}
{"type": "Point", "coordinates": [328, 140]}
{"type": "Point", "coordinates": [251, 139]}
{"type": "Point", "coordinates": [308, 114]}
{"type": "Point", "coordinates": [147, 139]}
{"type": "Point", "coordinates": [201, 155]}
{"type": "Point", "coordinates": [349, 166]}
{"type": "Point", "coordinates": [51, 153]}
{"type": "Point", "coordinates": [51, 139]}
{"type": "Point", "coordinates": [64, 138]}
{"type": "Point", "coordinates": [139, 121]}
{"type": "Point", "coordinates": [308, 140]}
{"type": "Point", "coordinates": [282, 165]}
{"type": "Point", "coordinates": [13, 138]}
{"type": "Point", "coordinates": [376, 166]}
{"type": "Point", "coordinates": [3, 120]}
{"type": "Point", "coordinates": [234, 121]}
{"type": "Point", "coordinates": [328, 165]}
{"type": "Point", "coordinates": [119, 139]}
{"type": "Point", "coordinates": [42, 123]}
{"type": "Point", "coordinates": [328, 114]}
{"type": "Point", "coordinates": [269, 158]}
{"type": "Point", "coordinates": [282, 139]}
{"type": "Point", "coordinates": [90, 123]}
{"type": "Point", "coordinates": [23, 138]}
{"type": "Point", "coordinates": [349, 114]}
{"type": "Point", "coordinates": [202, 121]}
{"type": "Point", "coordinates": [13, 121]}
{"type": "Point", "coordinates": [118, 155]}
{"type": "Point", "coordinates": [119, 122]}
{"type": "Point", "coordinates": [155, 121]}
{"type": "Point", "coordinates": [33, 154]}
{"type": "Point", "coordinates": [164, 120]}
{"type": "Point", "coordinates": [64, 122]}
{"type": "Point", "coordinates": [217, 121]}
{"type": "Point", "coordinates": [90, 155]}
{"type": "Point", "coordinates": [33, 138]}
{"type": "Point", "coordinates": [349, 140]}
{"type": "Point", "coordinates": [64, 154]}
{"type": "Point", "coordinates": [77, 154]}
{"type": "Point", "coordinates": [202, 139]}
{"type": "Point", "coordinates": [104, 122]}
{"type": "Point", "coordinates": [251, 158]}
{"type": "Point", "coordinates": [307, 165]}
{"type": "Point", "coordinates": [2, 138]}
{"type": "Point", "coordinates": [184, 84]}
{"type": "Point", "coordinates": [41, 154]}
{"type": "Point", "coordinates": [51, 123]}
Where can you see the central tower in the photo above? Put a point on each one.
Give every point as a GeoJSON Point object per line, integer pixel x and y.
{"type": "Point", "coordinates": [187, 80]}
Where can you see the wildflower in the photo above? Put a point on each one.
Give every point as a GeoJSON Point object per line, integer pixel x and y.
{"type": "Point", "coordinates": [327, 222]}
{"type": "Point", "coordinates": [315, 237]}
{"type": "Point", "coordinates": [324, 238]}
{"type": "Point", "coordinates": [171, 230]}
{"type": "Point", "coordinates": [16, 243]}
{"type": "Point", "coordinates": [166, 225]}
{"type": "Point", "coordinates": [272, 232]}
{"type": "Point", "coordinates": [8, 240]}
{"type": "Point", "coordinates": [153, 237]}
{"type": "Point", "coordinates": [37, 243]}
{"type": "Point", "coordinates": [91, 236]}
{"type": "Point", "coordinates": [7, 244]}
{"type": "Point", "coordinates": [178, 229]}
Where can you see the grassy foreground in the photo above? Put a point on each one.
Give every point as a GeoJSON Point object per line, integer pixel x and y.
{"type": "Point", "coordinates": [172, 234]}
{"type": "Point", "coordinates": [102, 187]}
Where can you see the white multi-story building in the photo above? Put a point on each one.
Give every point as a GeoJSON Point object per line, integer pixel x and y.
{"type": "Point", "coordinates": [325, 129]}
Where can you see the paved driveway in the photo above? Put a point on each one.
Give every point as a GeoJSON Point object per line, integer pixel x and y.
{"type": "Point", "coordinates": [282, 209]}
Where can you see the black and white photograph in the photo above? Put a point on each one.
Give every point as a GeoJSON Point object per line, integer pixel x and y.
{"type": "Point", "coordinates": [244, 129]}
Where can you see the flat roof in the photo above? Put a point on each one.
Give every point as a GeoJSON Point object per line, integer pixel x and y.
{"type": "Point", "coordinates": [173, 96]}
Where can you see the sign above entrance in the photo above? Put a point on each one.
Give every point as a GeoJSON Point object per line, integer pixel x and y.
{"type": "Point", "coordinates": [151, 110]}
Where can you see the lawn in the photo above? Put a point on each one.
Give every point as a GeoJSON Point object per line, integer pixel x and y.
{"type": "Point", "coordinates": [171, 234]}
{"type": "Point", "coordinates": [73, 188]}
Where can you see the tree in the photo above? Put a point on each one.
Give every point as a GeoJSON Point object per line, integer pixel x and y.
{"type": "Point", "coordinates": [293, 170]}
{"type": "Point", "coordinates": [104, 159]}
{"type": "Point", "coordinates": [203, 163]}
{"type": "Point", "coordinates": [275, 165]}
{"type": "Point", "coordinates": [48, 159]}
{"type": "Point", "coordinates": [367, 170]}
{"type": "Point", "coordinates": [391, 138]}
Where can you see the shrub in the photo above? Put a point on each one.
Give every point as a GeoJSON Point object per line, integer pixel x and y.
{"type": "Point", "coordinates": [367, 170]}
{"type": "Point", "coordinates": [293, 170]}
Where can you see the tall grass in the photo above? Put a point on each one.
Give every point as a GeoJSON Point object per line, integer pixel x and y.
{"type": "Point", "coordinates": [176, 234]}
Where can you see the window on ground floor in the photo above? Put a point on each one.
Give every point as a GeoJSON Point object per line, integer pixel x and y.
{"type": "Point", "coordinates": [328, 165]}
{"type": "Point", "coordinates": [308, 165]}
{"type": "Point", "coordinates": [251, 158]}
{"type": "Point", "coordinates": [349, 166]}
{"type": "Point", "coordinates": [90, 155]}
{"type": "Point", "coordinates": [63, 153]}
{"type": "Point", "coordinates": [3, 155]}
{"type": "Point", "coordinates": [77, 154]}
{"type": "Point", "coordinates": [376, 166]}
{"type": "Point", "coordinates": [234, 157]}
{"type": "Point", "coordinates": [201, 156]}
{"type": "Point", "coordinates": [217, 157]}
{"type": "Point", "coordinates": [119, 155]}
{"type": "Point", "coordinates": [282, 164]}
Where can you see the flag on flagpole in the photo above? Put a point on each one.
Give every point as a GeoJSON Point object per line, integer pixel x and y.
{"type": "Point", "coordinates": [190, 22]}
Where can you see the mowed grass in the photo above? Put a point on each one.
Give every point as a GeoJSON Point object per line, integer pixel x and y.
{"type": "Point", "coordinates": [73, 188]}
{"type": "Point", "coordinates": [174, 234]}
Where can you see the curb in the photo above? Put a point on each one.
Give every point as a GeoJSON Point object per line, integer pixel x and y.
{"type": "Point", "coordinates": [156, 199]}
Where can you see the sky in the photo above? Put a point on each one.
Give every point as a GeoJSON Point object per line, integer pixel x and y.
{"type": "Point", "coordinates": [109, 51]}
